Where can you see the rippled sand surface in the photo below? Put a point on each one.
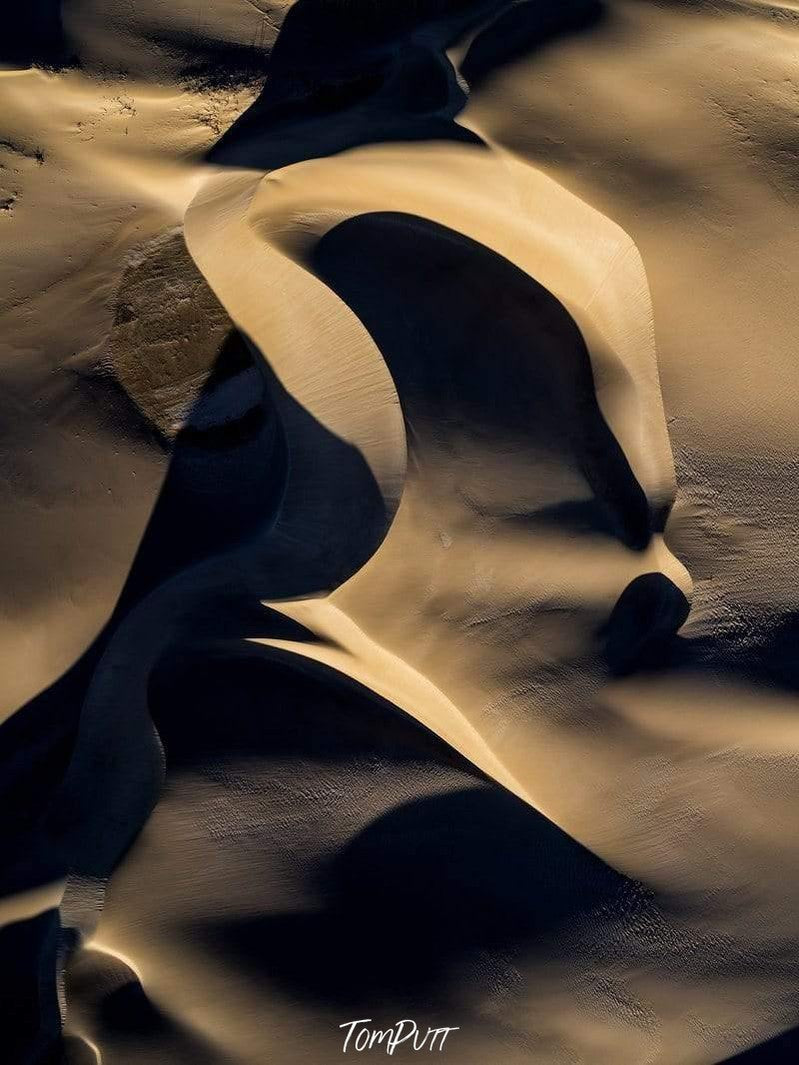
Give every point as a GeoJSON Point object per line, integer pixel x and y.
{"type": "Point", "coordinates": [399, 480]}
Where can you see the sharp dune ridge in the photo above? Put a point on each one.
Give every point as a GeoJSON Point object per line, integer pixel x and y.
{"type": "Point", "coordinates": [398, 472]}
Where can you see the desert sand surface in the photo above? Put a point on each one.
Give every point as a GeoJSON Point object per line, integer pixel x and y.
{"type": "Point", "coordinates": [399, 488]}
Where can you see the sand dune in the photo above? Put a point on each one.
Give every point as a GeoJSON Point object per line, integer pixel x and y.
{"type": "Point", "coordinates": [399, 581]}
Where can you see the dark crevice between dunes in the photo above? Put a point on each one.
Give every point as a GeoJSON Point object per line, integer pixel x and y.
{"type": "Point", "coordinates": [345, 74]}
{"type": "Point", "coordinates": [469, 305]}
{"type": "Point", "coordinates": [223, 483]}
{"type": "Point", "coordinates": [228, 468]}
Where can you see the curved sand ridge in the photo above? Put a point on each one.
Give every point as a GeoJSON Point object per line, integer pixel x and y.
{"type": "Point", "coordinates": [567, 247]}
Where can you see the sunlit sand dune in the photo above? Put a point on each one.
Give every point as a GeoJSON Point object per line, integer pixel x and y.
{"type": "Point", "coordinates": [401, 555]}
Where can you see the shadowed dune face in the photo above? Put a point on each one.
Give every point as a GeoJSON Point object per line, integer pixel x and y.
{"type": "Point", "coordinates": [35, 35]}
{"type": "Point", "coordinates": [489, 366]}
{"type": "Point", "coordinates": [430, 886]}
{"type": "Point", "coordinates": [340, 78]}
{"type": "Point", "coordinates": [341, 858]}
{"type": "Point", "coordinates": [521, 29]}
{"type": "Point", "coordinates": [383, 73]}
{"type": "Point", "coordinates": [29, 950]}
{"type": "Point", "coordinates": [507, 442]}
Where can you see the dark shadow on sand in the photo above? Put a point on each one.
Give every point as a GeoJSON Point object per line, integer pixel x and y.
{"type": "Point", "coordinates": [225, 486]}
{"type": "Point", "coordinates": [426, 891]}
{"type": "Point", "coordinates": [339, 78]}
{"type": "Point", "coordinates": [430, 885]}
{"type": "Point", "coordinates": [343, 74]}
{"type": "Point", "coordinates": [487, 347]}
{"type": "Point", "coordinates": [524, 28]}
{"type": "Point", "coordinates": [32, 34]}
{"type": "Point", "coordinates": [783, 1049]}
{"type": "Point", "coordinates": [28, 1002]}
